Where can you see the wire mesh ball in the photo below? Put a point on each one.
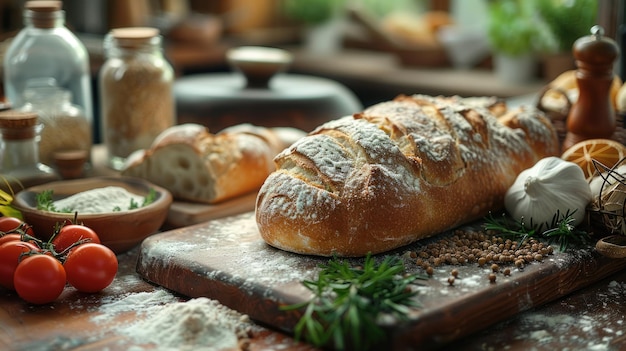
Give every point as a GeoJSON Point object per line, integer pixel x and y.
{"type": "Point", "coordinates": [608, 207]}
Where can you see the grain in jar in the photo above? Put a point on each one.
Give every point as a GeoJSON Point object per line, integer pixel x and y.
{"type": "Point", "coordinates": [65, 126]}
{"type": "Point", "coordinates": [136, 96]}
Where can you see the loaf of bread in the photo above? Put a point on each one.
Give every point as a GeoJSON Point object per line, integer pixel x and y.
{"type": "Point", "coordinates": [198, 166]}
{"type": "Point", "coordinates": [398, 172]}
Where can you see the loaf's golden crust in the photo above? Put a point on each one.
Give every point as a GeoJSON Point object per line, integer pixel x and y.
{"type": "Point", "coordinates": [397, 172]}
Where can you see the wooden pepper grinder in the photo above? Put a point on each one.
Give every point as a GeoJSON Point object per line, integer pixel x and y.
{"type": "Point", "coordinates": [592, 115]}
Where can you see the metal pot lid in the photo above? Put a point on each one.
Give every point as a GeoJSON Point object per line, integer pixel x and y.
{"type": "Point", "coordinates": [258, 76]}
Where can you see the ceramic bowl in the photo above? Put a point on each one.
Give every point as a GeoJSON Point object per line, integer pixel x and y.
{"type": "Point", "coordinates": [120, 230]}
{"type": "Point", "coordinates": [466, 47]}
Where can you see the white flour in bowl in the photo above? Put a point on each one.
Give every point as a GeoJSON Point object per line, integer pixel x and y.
{"type": "Point", "coordinates": [99, 200]}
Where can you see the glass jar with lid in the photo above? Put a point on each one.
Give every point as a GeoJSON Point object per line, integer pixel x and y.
{"type": "Point", "coordinates": [65, 126]}
{"type": "Point", "coordinates": [136, 96]}
{"type": "Point", "coordinates": [19, 156]}
{"type": "Point", "coordinates": [46, 49]}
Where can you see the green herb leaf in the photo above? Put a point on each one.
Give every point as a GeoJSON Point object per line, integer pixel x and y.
{"type": "Point", "coordinates": [44, 201]}
{"type": "Point", "coordinates": [349, 301]}
{"type": "Point", "coordinates": [149, 198]}
{"type": "Point", "coordinates": [560, 230]}
{"type": "Point", "coordinates": [563, 233]}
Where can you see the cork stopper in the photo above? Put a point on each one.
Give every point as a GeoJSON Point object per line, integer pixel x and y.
{"type": "Point", "coordinates": [17, 125]}
{"type": "Point", "coordinates": [43, 5]}
{"type": "Point", "coordinates": [71, 163]}
{"type": "Point", "coordinates": [596, 52]}
{"type": "Point", "coordinates": [43, 13]}
{"type": "Point", "coordinates": [132, 37]}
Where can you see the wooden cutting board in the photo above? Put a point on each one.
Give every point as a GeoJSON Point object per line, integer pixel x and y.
{"type": "Point", "coordinates": [227, 260]}
{"type": "Point", "coordinates": [182, 214]}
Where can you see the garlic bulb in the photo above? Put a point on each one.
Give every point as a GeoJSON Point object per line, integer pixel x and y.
{"type": "Point", "coordinates": [551, 185]}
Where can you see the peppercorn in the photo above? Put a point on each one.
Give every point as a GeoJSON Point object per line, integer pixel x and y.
{"type": "Point", "coordinates": [495, 268]}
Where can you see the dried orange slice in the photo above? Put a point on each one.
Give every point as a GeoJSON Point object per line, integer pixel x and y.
{"type": "Point", "coordinates": [606, 151]}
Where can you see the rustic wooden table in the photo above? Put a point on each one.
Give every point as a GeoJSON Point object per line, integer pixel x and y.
{"type": "Point", "coordinates": [590, 319]}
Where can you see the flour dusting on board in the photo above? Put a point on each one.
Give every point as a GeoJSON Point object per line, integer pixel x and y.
{"type": "Point", "coordinates": [260, 264]}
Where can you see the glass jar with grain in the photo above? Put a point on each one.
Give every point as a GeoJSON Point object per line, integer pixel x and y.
{"type": "Point", "coordinates": [136, 97]}
{"type": "Point", "coordinates": [65, 126]}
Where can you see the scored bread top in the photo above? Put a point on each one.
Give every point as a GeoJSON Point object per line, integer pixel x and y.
{"type": "Point", "coordinates": [399, 171]}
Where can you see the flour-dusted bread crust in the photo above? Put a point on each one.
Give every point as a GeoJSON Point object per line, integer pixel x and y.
{"type": "Point", "coordinates": [399, 171]}
{"type": "Point", "coordinates": [198, 166]}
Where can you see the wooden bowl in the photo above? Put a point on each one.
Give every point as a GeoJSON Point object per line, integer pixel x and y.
{"type": "Point", "coordinates": [120, 230]}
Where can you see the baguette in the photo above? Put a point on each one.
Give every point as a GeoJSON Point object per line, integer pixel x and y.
{"type": "Point", "coordinates": [195, 165]}
{"type": "Point", "coordinates": [398, 172]}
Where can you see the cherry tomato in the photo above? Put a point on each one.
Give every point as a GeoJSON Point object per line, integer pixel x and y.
{"type": "Point", "coordinates": [16, 237]}
{"type": "Point", "coordinates": [90, 267]}
{"type": "Point", "coordinates": [10, 253]}
{"type": "Point", "coordinates": [71, 233]}
{"type": "Point", "coordinates": [39, 279]}
{"type": "Point", "coordinates": [12, 225]}
{"type": "Point", "coordinates": [10, 237]}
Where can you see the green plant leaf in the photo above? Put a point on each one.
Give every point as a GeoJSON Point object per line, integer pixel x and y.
{"type": "Point", "coordinates": [348, 301]}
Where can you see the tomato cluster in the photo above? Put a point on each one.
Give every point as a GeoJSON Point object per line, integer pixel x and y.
{"type": "Point", "coordinates": [40, 270]}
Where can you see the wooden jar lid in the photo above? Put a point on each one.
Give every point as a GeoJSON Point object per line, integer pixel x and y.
{"type": "Point", "coordinates": [43, 5]}
{"type": "Point", "coordinates": [18, 125]}
{"type": "Point", "coordinates": [130, 37]}
{"type": "Point", "coordinates": [71, 163]}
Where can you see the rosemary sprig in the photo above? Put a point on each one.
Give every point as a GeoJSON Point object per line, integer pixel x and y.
{"type": "Point", "coordinates": [350, 303]}
{"type": "Point", "coordinates": [559, 230]}
{"type": "Point", "coordinates": [563, 232]}
{"type": "Point", "coordinates": [509, 228]}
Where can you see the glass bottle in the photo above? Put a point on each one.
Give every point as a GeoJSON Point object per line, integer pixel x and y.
{"type": "Point", "coordinates": [66, 127]}
{"type": "Point", "coordinates": [19, 155]}
{"type": "Point", "coordinates": [47, 51]}
{"type": "Point", "coordinates": [136, 92]}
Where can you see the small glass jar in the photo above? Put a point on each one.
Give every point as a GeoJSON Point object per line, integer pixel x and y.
{"type": "Point", "coordinates": [45, 50]}
{"type": "Point", "coordinates": [66, 128]}
{"type": "Point", "coordinates": [136, 92]}
{"type": "Point", "coordinates": [19, 152]}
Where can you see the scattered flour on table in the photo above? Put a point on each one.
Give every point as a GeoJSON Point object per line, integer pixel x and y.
{"type": "Point", "coordinates": [543, 328]}
{"type": "Point", "coordinates": [143, 302]}
{"type": "Point", "coordinates": [99, 200]}
{"type": "Point", "coordinates": [165, 323]}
